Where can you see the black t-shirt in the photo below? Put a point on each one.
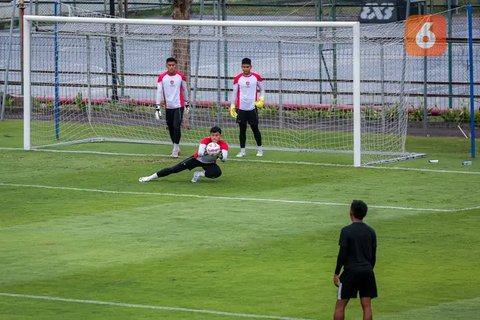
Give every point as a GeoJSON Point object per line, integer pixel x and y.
{"type": "Point", "coordinates": [358, 247]}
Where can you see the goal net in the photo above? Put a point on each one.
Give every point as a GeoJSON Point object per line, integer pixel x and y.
{"type": "Point", "coordinates": [94, 79]}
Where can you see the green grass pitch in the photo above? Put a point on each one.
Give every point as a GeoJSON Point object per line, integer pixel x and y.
{"type": "Point", "coordinates": [81, 238]}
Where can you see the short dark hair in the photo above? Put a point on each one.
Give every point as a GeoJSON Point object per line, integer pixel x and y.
{"type": "Point", "coordinates": [215, 129]}
{"type": "Point", "coordinates": [247, 61]}
{"type": "Point", "coordinates": [359, 209]}
{"type": "Point", "coordinates": [171, 59]}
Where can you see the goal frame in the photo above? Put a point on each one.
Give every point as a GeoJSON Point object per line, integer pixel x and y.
{"type": "Point", "coordinates": [354, 26]}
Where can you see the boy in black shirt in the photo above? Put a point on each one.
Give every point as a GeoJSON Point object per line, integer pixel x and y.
{"type": "Point", "coordinates": [357, 254]}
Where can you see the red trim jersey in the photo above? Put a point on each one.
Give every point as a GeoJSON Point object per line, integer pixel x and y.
{"type": "Point", "coordinates": [172, 89]}
{"type": "Point", "coordinates": [210, 159]}
{"type": "Point", "coordinates": [247, 90]}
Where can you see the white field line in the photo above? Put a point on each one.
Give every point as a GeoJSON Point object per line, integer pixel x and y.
{"type": "Point", "coordinates": [210, 197]}
{"type": "Point", "coordinates": [306, 163]}
{"type": "Point", "coordinates": [142, 306]}
{"type": "Point", "coordinates": [451, 307]}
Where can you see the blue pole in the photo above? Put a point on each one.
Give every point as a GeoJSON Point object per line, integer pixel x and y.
{"type": "Point", "coordinates": [472, 88]}
{"type": "Point", "coordinates": [55, 48]}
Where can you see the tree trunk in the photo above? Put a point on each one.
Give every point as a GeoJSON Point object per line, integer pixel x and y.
{"type": "Point", "coordinates": [180, 36]}
{"type": "Point", "coordinates": [181, 42]}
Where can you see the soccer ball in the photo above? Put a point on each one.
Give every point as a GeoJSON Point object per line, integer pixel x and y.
{"type": "Point", "coordinates": [213, 149]}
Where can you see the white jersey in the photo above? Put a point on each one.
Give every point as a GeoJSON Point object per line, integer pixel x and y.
{"type": "Point", "coordinates": [247, 90]}
{"type": "Point", "coordinates": [200, 154]}
{"type": "Point", "coordinates": [172, 89]}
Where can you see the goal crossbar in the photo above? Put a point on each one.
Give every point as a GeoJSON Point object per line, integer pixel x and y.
{"type": "Point", "coordinates": [309, 24]}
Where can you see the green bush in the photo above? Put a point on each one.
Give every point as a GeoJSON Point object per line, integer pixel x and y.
{"type": "Point", "coordinates": [371, 114]}
{"type": "Point", "coordinates": [8, 101]}
{"type": "Point", "coordinates": [269, 112]}
{"type": "Point", "coordinates": [341, 114]}
{"type": "Point", "coordinates": [456, 115]}
{"type": "Point", "coordinates": [79, 103]}
{"type": "Point", "coordinates": [415, 115]}
{"type": "Point", "coordinates": [392, 114]}
{"type": "Point", "coordinates": [43, 105]}
{"type": "Point", "coordinates": [307, 114]}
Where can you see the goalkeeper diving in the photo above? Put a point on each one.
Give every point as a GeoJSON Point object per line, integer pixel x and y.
{"type": "Point", "coordinates": [201, 158]}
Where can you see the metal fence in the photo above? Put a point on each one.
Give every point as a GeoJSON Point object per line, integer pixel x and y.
{"type": "Point", "coordinates": [436, 83]}
{"type": "Point", "coordinates": [333, 10]}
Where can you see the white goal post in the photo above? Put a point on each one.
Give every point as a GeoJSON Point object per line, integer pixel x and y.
{"type": "Point", "coordinates": [93, 79]}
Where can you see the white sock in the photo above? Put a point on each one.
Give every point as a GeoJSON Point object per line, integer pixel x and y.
{"type": "Point", "coordinates": [260, 148]}
{"type": "Point", "coordinates": [176, 146]}
{"type": "Point", "coordinates": [201, 173]}
{"type": "Point", "coordinates": [153, 176]}
{"type": "Point", "coordinates": [242, 150]}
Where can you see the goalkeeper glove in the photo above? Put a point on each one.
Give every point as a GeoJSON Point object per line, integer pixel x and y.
{"type": "Point", "coordinates": [187, 107]}
{"type": "Point", "coordinates": [158, 112]}
{"type": "Point", "coordinates": [233, 112]}
{"type": "Point", "coordinates": [220, 156]}
{"type": "Point", "coordinates": [259, 103]}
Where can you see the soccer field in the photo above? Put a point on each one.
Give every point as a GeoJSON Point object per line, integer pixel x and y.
{"type": "Point", "coordinates": [81, 238]}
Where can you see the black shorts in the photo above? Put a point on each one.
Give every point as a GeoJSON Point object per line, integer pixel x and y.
{"type": "Point", "coordinates": [190, 163]}
{"type": "Point", "coordinates": [174, 117]}
{"type": "Point", "coordinates": [250, 116]}
{"type": "Point", "coordinates": [212, 170]}
{"type": "Point", "coordinates": [353, 282]}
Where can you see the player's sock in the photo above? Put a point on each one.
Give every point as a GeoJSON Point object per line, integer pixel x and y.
{"type": "Point", "coordinates": [260, 151]}
{"type": "Point", "coordinates": [175, 151]}
{"type": "Point", "coordinates": [242, 153]}
{"type": "Point", "coordinates": [197, 175]}
{"type": "Point", "coordinates": [148, 178]}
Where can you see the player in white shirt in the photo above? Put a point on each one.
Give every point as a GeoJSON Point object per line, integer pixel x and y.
{"type": "Point", "coordinates": [172, 94]}
{"type": "Point", "coordinates": [247, 96]}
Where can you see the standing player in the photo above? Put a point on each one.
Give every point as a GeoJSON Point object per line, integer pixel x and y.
{"type": "Point", "coordinates": [247, 96]}
{"type": "Point", "coordinates": [172, 94]}
{"type": "Point", "coordinates": [199, 159]}
{"type": "Point", "coordinates": [357, 255]}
